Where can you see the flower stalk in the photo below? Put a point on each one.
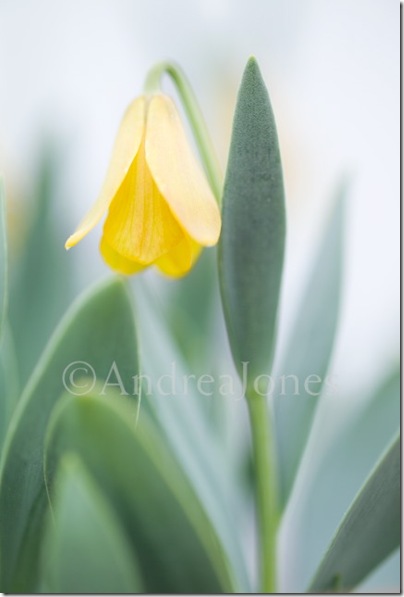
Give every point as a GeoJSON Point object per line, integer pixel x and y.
{"type": "Point", "coordinates": [195, 118]}
{"type": "Point", "coordinates": [265, 487]}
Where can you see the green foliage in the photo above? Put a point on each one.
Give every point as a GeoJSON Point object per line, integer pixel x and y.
{"type": "Point", "coordinates": [180, 417]}
{"type": "Point", "coordinates": [190, 306]}
{"type": "Point", "coordinates": [9, 385]}
{"type": "Point", "coordinates": [369, 531]}
{"type": "Point", "coordinates": [345, 463]}
{"type": "Point", "coordinates": [176, 545]}
{"type": "Point", "coordinates": [8, 365]}
{"type": "Point", "coordinates": [103, 492]}
{"type": "Point", "coordinates": [3, 258]}
{"type": "Point", "coordinates": [308, 358]}
{"type": "Point", "coordinates": [41, 280]}
{"type": "Point", "coordinates": [252, 243]}
{"type": "Point", "coordinates": [85, 549]}
{"type": "Point", "coordinates": [98, 330]}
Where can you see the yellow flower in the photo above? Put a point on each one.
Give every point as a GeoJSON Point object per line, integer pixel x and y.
{"type": "Point", "coordinates": [161, 210]}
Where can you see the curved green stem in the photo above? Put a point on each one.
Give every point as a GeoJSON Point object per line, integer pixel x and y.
{"type": "Point", "coordinates": [195, 117]}
{"type": "Point", "coordinates": [265, 487]}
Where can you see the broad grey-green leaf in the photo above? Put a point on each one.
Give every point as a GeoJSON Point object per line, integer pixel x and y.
{"type": "Point", "coordinates": [369, 532]}
{"type": "Point", "coordinates": [97, 331]}
{"type": "Point", "coordinates": [3, 258]}
{"type": "Point", "coordinates": [40, 287]}
{"type": "Point", "coordinates": [252, 242]}
{"type": "Point", "coordinates": [306, 359]}
{"type": "Point", "coordinates": [171, 397]}
{"type": "Point", "coordinates": [85, 549]}
{"type": "Point", "coordinates": [177, 546]}
{"type": "Point", "coordinates": [346, 462]}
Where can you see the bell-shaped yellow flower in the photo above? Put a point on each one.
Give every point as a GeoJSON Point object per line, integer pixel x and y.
{"type": "Point", "coordinates": [161, 210]}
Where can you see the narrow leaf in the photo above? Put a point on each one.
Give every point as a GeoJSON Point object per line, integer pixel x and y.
{"type": "Point", "coordinates": [369, 532]}
{"type": "Point", "coordinates": [96, 332]}
{"type": "Point", "coordinates": [190, 305]}
{"type": "Point", "coordinates": [9, 387]}
{"type": "Point", "coordinates": [176, 544]}
{"type": "Point", "coordinates": [85, 548]}
{"type": "Point", "coordinates": [385, 578]}
{"type": "Point", "coordinates": [176, 407]}
{"type": "Point", "coordinates": [345, 462]}
{"type": "Point", "coordinates": [251, 249]}
{"type": "Point", "coordinates": [40, 288]}
{"type": "Point", "coordinates": [3, 258]}
{"type": "Point", "coordinates": [305, 363]}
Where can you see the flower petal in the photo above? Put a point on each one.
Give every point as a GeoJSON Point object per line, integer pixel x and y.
{"type": "Point", "coordinates": [140, 225]}
{"type": "Point", "coordinates": [177, 173]}
{"type": "Point", "coordinates": [179, 260]}
{"type": "Point", "coordinates": [117, 262]}
{"type": "Point", "coordinates": [126, 146]}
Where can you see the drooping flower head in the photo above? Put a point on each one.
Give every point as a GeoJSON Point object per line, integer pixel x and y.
{"type": "Point", "coordinates": [161, 210]}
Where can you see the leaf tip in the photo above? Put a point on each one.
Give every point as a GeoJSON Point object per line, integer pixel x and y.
{"type": "Point", "coordinates": [252, 69]}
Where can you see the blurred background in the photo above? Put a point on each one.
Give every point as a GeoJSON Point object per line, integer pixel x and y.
{"type": "Point", "coordinates": [69, 68]}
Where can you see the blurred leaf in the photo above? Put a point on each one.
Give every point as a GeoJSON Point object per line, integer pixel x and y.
{"type": "Point", "coordinates": [85, 549]}
{"type": "Point", "coordinates": [176, 407]}
{"type": "Point", "coordinates": [385, 578]}
{"type": "Point", "coordinates": [3, 258]}
{"type": "Point", "coordinates": [365, 436]}
{"type": "Point", "coordinates": [369, 532]}
{"type": "Point", "coordinates": [346, 463]}
{"type": "Point", "coordinates": [8, 364]}
{"type": "Point", "coordinates": [9, 386]}
{"type": "Point", "coordinates": [40, 285]}
{"type": "Point", "coordinates": [252, 242]}
{"type": "Point", "coordinates": [193, 314]}
{"type": "Point", "coordinates": [98, 331]}
{"type": "Point", "coordinates": [190, 307]}
{"type": "Point", "coordinates": [177, 546]}
{"type": "Point", "coordinates": [309, 351]}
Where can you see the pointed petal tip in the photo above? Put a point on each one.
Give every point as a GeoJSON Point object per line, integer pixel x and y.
{"type": "Point", "coordinates": [73, 240]}
{"type": "Point", "coordinates": [209, 234]}
{"type": "Point", "coordinates": [78, 235]}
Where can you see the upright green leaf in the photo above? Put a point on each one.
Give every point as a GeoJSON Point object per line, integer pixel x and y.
{"type": "Point", "coordinates": [305, 363]}
{"type": "Point", "coordinates": [385, 578]}
{"type": "Point", "coordinates": [85, 548]}
{"type": "Point", "coordinates": [369, 532]}
{"type": "Point", "coordinates": [181, 421]}
{"type": "Point", "coordinates": [190, 306]}
{"type": "Point", "coordinates": [3, 257]}
{"type": "Point", "coordinates": [40, 288]}
{"type": "Point", "coordinates": [9, 387]}
{"type": "Point", "coordinates": [97, 332]}
{"type": "Point", "coordinates": [8, 362]}
{"type": "Point", "coordinates": [177, 546]}
{"type": "Point", "coordinates": [345, 462]}
{"type": "Point", "coordinates": [251, 249]}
